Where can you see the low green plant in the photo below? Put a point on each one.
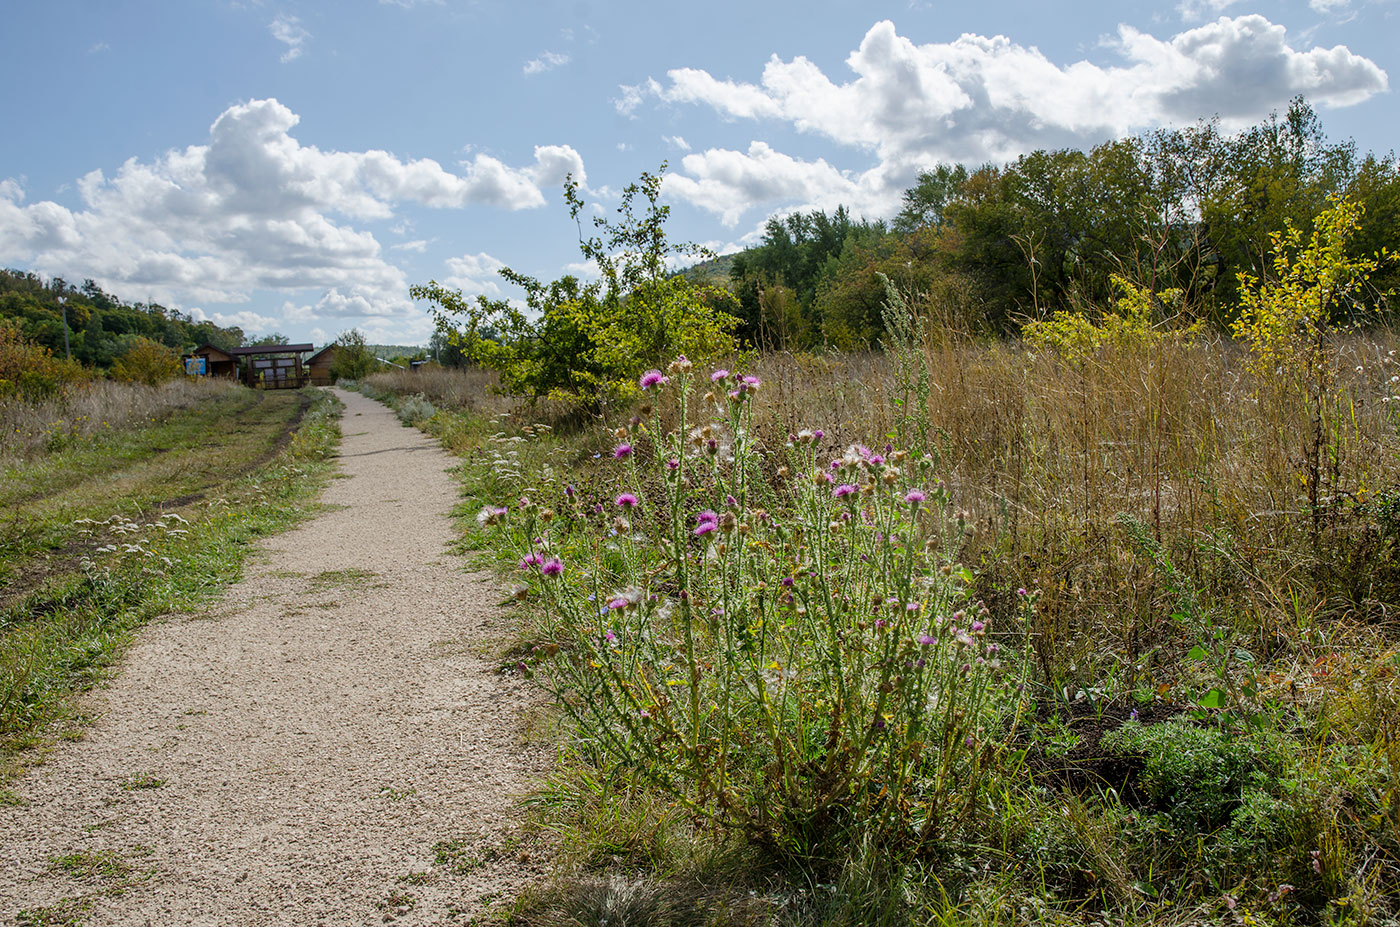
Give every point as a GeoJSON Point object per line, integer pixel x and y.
{"type": "Point", "coordinates": [805, 668]}
{"type": "Point", "coordinates": [415, 409]}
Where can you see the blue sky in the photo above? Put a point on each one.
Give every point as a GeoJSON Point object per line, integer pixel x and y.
{"type": "Point", "coordinates": [293, 165]}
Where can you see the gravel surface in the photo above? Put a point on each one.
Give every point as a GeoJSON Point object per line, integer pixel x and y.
{"type": "Point", "coordinates": [324, 747]}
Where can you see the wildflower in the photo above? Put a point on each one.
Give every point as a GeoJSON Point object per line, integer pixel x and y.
{"type": "Point", "coordinates": [490, 515]}
{"type": "Point", "coordinates": [1022, 592]}
{"type": "Point", "coordinates": [818, 434]}
{"type": "Point", "coordinates": [845, 489]}
{"type": "Point", "coordinates": [552, 567]}
{"type": "Point", "coordinates": [914, 497]}
{"type": "Point", "coordinates": [705, 522]}
{"type": "Point", "coordinates": [926, 640]}
{"type": "Point", "coordinates": [719, 375]}
{"type": "Point", "coordinates": [731, 501]}
{"type": "Point", "coordinates": [673, 464]}
{"type": "Point", "coordinates": [680, 365]}
{"type": "Point", "coordinates": [622, 451]}
{"type": "Point", "coordinates": [652, 379]}
{"type": "Point", "coordinates": [531, 561]}
{"type": "Point", "coordinates": [626, 501]}
{"type": "Point", "coordinates": [751, 384]}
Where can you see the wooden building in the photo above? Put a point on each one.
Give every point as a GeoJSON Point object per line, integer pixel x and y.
{"type": "Point", "coordinates": [319, 366]}
{"type": "Point", "coordinates": [273, 366]}
{"type": "Point", "coordinates": [209, 361]}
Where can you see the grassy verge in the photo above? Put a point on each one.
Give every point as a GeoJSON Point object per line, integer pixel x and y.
{"type": "Point", "coordinates": [145, 521]}
{"type": "Point", "coordinates": [1201, 725]}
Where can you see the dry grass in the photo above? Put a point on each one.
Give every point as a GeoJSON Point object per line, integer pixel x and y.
{"type": "Point", "coordinates": [28, 428]}
{"type": "Point", "coordinates": [468, 389]}
{"type": "Point", "coordinates": [1050, 459]}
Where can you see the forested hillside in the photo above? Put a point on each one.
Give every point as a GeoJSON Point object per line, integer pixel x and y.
{"type": "Point", "coordinates": [101, 327]}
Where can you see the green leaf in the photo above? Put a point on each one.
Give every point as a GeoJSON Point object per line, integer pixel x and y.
{"type": "Point", "coordinates": [1179, 617]}
{"type": "Point", "coordinates": [1213, 699]}
{"type": "Point", "coordinates": [1197, 653]}
{"type": "Point", "coordinates": [965, 575]}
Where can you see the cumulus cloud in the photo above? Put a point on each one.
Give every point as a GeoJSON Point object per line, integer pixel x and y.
{"type": "Point", "coordinates": [288, 30]}
{"type": "Point", "coordinates": [474, 274]}
{"type": "Point", "coordinates": [1203, 9]}
{"type": "Point", "coordinates": [981, 98]}
{"type": "Point", "coordinates": [254, 209]}
{"type": "Point", "coordinates": [545, 62]}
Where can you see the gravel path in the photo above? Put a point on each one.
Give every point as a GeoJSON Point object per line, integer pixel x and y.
{"type": "Point", "coordinates": [327, 748]}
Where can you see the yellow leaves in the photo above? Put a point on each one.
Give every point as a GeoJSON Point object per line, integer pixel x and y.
{"type": "Point", "coordinates": [1283, 318]}
{"type": "Point", "coordinates": [1129, 326]}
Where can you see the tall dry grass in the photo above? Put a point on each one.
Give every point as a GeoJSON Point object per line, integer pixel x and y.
{"type": "Point", "coordinates": [29, 428]}
{"type": "Point", "coordinates": [1074, 473]}
{"type": "Point", "coordinates": [467, 389]}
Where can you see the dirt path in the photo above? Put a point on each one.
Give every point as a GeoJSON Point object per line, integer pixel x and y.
{"type": "Point", "coordinates": [328, 749]}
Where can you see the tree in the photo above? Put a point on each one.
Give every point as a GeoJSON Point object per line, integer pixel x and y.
{"type": "Point", "coordinates": [146, 361]}
{"type": "Point", "coordinates": [586, 343]}
{"type": "Point", "coordinates": [353, 359]}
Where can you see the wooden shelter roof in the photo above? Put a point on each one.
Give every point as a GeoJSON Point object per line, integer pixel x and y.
{"type": "Point", "coordinates": [272, 349]}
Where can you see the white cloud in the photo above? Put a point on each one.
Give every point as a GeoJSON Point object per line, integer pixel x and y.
{"type": "Point", "coordinates": [1196, 10]}
{"type": "Point", "coordinates": [474, 274]}
{"type": "Point", "coordinates": [419, 246]}
{"type": "Point", "coordinates": [729, 183]}
{"type": "Point", "coordinates": [676, 141]}
{"type": "Point", "coordinates": [546, 62]}
{"type": "Point", "coordinates": [255, 210]}
{"type": "Point", "coordinates": [288, 30]}
{"type": "Point", "coordinates": [980, 98]}
{"type": "Point", "coordinates": [246, 320]}
{"type": "Point", "coordinates": [98, 47]}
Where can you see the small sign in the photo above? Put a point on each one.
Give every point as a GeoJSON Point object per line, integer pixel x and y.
{"type": "Point", "coordinates": [195, 366]}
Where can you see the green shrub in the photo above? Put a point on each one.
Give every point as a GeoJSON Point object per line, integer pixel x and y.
{"type": "Point", "coordinates": [586, 343]}
{"type": "Point", "coordinates": [30, 372]}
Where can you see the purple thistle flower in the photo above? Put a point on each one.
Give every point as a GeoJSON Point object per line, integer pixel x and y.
{"type": "Point", "coordinates": [913, 606]}
{"type": "Point", "coordinates": [617, 604]}
{"type": "Point", "coordinates": [610, 636]}
{"type": "Point", "coordinates": [977, 626]}
{"type": "Point", "coordinates": [915, 496]}
{"type": "Point", "coordinates": [876, 460]}
{"type": "Point", "coordinates": [531, 561]}
{"type": "Point", "coordinates": [622, 450]}
{"type": "Point", "coordinates": [705, 516]}
{"type": "Point", "coordinates": [552, 567]}
{"type": "Point", "coordinates": [786, 581]}
{"type": "Point", "coordinates": [627, 501]}
{"type": "Point", "coordinates": [818, 434]}
{"type": "Point", "coordinates": [652, 379]}
{"type": "Point", "coordinates": [926, 640]}
{"type": "Point", "coordinates": [731, 501]}
{"type": "Point", "coordinates": [719, 375]}
{"type": "Point", "coordinates": [704, 528]}
{"type": "Point", "coordinates": [1022, 592]}
{"type": "Point", "coordinates": [752, 382]}
{"type": "Point", "coordinates": [845, 489]}
{"type": "Point", "coordinates": [673, 464]}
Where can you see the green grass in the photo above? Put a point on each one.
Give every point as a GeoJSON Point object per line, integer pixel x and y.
{"type": "Point", "coordinates": [92, 550]}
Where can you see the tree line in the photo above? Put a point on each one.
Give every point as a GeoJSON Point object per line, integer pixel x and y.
{"type": "Point", "coordinates": [992, 247]}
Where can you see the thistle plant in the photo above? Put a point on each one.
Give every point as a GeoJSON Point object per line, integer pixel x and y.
{"type": "Point", "coordinates": [778, 639]}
